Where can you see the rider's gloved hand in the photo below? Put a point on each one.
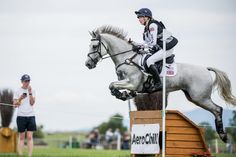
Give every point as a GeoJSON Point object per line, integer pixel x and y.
{"type": "Point", "coordinates": [130, 41]}
{"type": "Point", "coordinates": [136, 48]}
{"type": "Point", "coordinates": [154, 48]}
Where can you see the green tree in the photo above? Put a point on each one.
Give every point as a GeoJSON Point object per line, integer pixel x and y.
{"type": "Point", "coordinates": [114, 122]}
{"type": "Point", "coordinates": [39, 133]}
{"type": "Point", "coordinates": [210, 134]}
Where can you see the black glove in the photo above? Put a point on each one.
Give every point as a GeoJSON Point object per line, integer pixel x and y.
{"type": "Point", "coordinates": [136, 48]}
{"type": "Point", "coordinates": [154, 49]}
{"type": "Point", "coordinates": [130, 41]}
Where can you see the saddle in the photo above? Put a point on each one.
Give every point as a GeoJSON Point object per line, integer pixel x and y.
{"type": "Point", "coordinates": [159, 64]}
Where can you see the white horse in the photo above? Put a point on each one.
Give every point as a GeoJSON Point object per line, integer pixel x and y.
{"type": "Point", "coordinates": [195, 81]}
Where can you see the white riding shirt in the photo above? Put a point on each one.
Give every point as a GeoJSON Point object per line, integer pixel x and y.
{"type": "Point", "coordinates": [150, 40]}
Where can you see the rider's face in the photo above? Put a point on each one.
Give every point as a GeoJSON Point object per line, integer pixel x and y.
{"type": "Point", "coordinates": [142, 20]}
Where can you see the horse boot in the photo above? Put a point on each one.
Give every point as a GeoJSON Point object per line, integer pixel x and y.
{"type": "Point", "coordinates": [220, 127]}
{"type": "Point", "coordinates": [156, 77]}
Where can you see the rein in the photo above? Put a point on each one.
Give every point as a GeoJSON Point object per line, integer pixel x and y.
{"type": "Point", "coordinates": [117, 54]}
{"type": "Point", "coordinates": [128, 61]}
{"type": "Point", "coordinates": [99, 51]}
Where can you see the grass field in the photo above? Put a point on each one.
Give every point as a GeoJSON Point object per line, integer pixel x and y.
{"type": "Point", "coordinates": [57, 152]}
{"type": "Point", "coordinates": [54, 140]}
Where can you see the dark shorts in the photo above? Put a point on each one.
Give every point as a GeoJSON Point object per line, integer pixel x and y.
{"type": "Point", "coordinates": [26, 124]}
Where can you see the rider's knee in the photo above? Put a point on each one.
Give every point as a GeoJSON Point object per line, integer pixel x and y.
{"type": "Point", "coordinates": [149, 62]}
{"type": "Point", "coordinates": [111, 86]}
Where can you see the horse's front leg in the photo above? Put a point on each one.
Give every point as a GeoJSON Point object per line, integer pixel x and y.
{"type": "Point", "coordinates": [122, 84]}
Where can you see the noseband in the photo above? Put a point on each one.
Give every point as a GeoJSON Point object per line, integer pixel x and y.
{"type": "Point", "coordinates": [99, 49]}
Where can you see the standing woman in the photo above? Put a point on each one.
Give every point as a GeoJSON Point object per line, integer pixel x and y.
{"type": "Point", "coordinates": [24, 99]}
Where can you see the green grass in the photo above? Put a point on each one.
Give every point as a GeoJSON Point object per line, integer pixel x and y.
{"type": "Point", "coordinates": [224, 155]}
{"type": "Point", "coordinates": [57, 152]}
{"type": "Point", "coordinates": [64, 136]}
{"type": "Point", "coordinates": [55, 139]}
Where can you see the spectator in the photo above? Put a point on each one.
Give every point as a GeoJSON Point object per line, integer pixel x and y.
{"type": "Point", "coordinates": [126, 140]}
{"type": "Point", "coordinates": [94, 138]}
{"type": "Point", "coordinates": [24, 99]}
{"type": "Point", "coordinates": [109, 136]}
{"type": "Point", "coordinates": [117, 134]}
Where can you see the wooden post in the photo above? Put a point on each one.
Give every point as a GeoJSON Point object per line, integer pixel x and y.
{"type": "Point", "coordinates": [7, 140]}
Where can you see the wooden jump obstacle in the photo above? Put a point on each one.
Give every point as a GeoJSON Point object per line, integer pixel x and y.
{"type": "Point", "coordinates": [183, 137]}
{"type": "Point", "coordinates": [7, 140]}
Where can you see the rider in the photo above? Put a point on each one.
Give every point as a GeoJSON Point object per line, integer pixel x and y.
{"type": "Point", "coordinates": [152, 37]}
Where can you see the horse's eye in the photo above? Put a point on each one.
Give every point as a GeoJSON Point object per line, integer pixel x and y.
{"type": "Point", "coordinates": [95, 46]}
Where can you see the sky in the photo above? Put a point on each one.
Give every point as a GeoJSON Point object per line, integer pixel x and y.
{"type": "Point", "coordinates": [49, 40]}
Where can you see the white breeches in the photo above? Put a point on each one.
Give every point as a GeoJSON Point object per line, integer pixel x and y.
{"type": "Point", "coordinates": [158, 56]}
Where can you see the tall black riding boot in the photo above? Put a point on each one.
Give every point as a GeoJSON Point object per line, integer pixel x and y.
{"type": "Point", "coordinates": [157, 81]}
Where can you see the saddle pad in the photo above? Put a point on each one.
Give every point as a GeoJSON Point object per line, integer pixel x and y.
{"type": "Point", "coordinates": [171, 70]}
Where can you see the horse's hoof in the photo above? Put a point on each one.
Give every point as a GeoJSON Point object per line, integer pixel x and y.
{"type": "Point", "coordinates": [123, 96]}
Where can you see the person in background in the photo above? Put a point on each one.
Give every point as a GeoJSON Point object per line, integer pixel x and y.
{"type": "Point", "coordinates": [94, 139]}
{"type": "Point", "coordinates": [117, 133]}
{"type": "Point", "coordinates": [126, 141]}
{"type": "Point", "coordinates": [109, 136]}
{"type": "Point", "coordinates": [24, 100]}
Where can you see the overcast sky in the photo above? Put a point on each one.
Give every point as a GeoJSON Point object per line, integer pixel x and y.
{"type": "Point", "coordinates": [49, 39]}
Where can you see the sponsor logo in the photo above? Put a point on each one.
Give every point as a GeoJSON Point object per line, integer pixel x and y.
{"type": "Point", "coordinates": [151, 29]}
{"type": "Point", "coordinates": [149, 138]}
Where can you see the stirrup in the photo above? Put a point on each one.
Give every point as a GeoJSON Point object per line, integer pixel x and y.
{"type": "Point", "coordinates": [158, 87]}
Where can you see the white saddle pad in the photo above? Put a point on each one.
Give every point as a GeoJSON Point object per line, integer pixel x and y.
{"type": "Point", "coordinates": [171, 70]}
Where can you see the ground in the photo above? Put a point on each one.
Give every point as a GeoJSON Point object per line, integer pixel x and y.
{"type": "Point", "coordinates": [59, 152]}
{"type": "Point", "coordinates": [55, 140]}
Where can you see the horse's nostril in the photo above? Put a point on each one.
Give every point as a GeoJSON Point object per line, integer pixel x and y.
{"type": "Point", "coordinates": [88, 65]}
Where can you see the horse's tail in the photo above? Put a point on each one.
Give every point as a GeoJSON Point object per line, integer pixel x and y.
{"type": "Point", "coordinates": [223, 86]}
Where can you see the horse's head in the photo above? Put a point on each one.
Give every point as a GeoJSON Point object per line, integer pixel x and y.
{"type": "Point", "coordinates": [97, 49]}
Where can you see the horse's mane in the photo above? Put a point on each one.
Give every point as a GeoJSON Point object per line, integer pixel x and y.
{"type": "Point", "coordinates": [116, 31]}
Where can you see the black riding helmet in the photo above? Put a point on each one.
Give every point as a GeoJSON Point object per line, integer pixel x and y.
{"type": "Point", "coordinates": [144, 12]}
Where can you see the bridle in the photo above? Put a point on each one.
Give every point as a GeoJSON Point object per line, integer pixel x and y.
{"type": "Point", "coordinates": [99, 49]}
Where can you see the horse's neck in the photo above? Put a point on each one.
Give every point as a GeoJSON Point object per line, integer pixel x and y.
{"type": "Point", "coordinates": [117, 45]}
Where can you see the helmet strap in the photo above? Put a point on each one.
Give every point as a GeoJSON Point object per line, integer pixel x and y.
{"type": "Point", "coordinates": [146, 21]}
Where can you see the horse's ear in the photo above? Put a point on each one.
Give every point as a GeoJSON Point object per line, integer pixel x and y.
{"type": "Point", "coordinates": [91, 34]}
{"type": "Point", "coordinates": [94, 34]}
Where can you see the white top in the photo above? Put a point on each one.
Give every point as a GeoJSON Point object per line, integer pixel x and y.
{"type": "Point", "coordinates": [25, 109]}
{"type": "Point", "coordinates": [117, 134]}
{"type": "Point", "coordinates": [109, 134]}
{"type": "Point", "coordinates": [151, 35]}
